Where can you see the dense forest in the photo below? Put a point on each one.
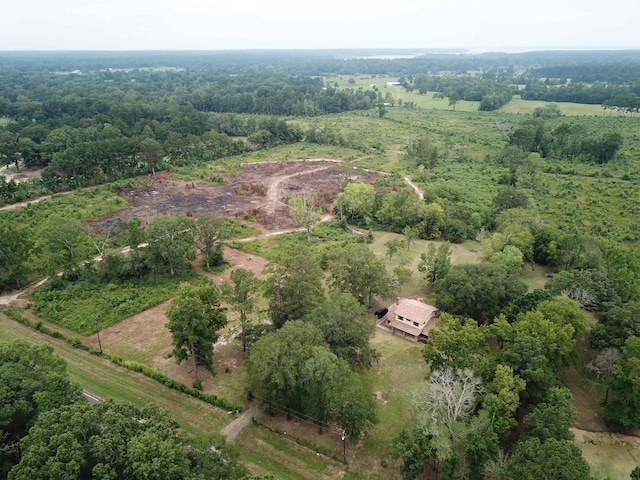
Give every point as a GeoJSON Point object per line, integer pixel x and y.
{"type": "Point", "coordinates": [545, 204]}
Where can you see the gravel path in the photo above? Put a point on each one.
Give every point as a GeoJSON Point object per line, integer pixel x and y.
{"type": "Point", "coordinates": [232, 430]}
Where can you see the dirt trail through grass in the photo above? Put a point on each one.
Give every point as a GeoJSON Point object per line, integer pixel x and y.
{"type": "Point", "coordinates": [415, 188]}
{"type": "Point", "coordinates": [274, 192]}
{"type": "Point", "coordinates": [232, 430]}
{"type": "Point", "coordinates": [13, 206]}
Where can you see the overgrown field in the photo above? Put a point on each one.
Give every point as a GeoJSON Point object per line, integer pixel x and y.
{"type": "Point", "coordinates": [85, 306]}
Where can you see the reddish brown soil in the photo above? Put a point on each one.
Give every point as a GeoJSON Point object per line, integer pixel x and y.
{"type": "Point", "coordinates": [259, 191]}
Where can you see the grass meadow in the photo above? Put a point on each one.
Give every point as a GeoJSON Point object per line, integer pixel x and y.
{"type": "Point", "coordinates": [520, 106]}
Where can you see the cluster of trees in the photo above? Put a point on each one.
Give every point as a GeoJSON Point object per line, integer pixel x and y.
{"type": "Point", "coordinates": [566, 141]}
{"type": "Point", "coordinates": [83, 96]}
{"type": "Point", "coordinates": [597, 93]}
{"type": "Point", "coordinates": [468, 413]}
{"type": "Point", "coordinates": [396, 210]}
{"type": "Point", "coordinates": [596, 274]}
{"type": "Point", "coordinates": [311, 365]}
{"type": "Point", "coordinates": [195, 317]}
{"type": "Point", "coordinates": [49, 431]}
{"type": "Point", "coordinates": [75, 155]}
{"type": "Point", "coordinates": [166, 245]}
{"type": "Point", "coordinates": [612, 71]}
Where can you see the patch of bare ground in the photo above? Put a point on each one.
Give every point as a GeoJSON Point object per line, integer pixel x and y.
{"type": "Point", "coordinates": [20, 175]}
{"type": "Point", "coordinates": [260, 191]}
{"type": "Point", "coordinates": [236, 259]}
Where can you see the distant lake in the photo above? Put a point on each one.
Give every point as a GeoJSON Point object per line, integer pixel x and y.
{"type": "Point", "coordinates": [387, 57]}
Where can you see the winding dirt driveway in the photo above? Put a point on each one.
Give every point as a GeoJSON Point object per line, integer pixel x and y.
{"type": "Point", "coordinates": [415, 188]}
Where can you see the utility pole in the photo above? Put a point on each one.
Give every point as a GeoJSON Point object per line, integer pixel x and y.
{"type": "Point", "coordinates": [98, 335]}
{"type": "Point", "coordinates": [344, 447]}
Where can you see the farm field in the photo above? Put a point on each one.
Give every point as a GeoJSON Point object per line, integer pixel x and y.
{"type": "Point", "coordinates": [520, 106]}
{"type": "Point", "coordinates": [427, 102]}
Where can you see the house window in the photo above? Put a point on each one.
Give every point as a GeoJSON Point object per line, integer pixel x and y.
{"type": "Point", "coordinates": [416, 324]}
{"type": "Point", "coordinates": [400, 317]}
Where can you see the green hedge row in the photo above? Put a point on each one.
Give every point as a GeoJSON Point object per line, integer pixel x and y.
{"type": "Point", "coordinates": [181, 387]}
{"type": "Point", "coordinates": [128, 364]}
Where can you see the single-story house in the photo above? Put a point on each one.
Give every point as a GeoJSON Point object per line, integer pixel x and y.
{"type": "Point", "coordinates": [411, 319]}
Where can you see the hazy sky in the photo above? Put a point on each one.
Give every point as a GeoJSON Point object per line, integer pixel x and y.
{"type": "Point", "coordinates": [239, 24]}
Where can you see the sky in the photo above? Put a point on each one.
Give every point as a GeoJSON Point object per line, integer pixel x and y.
{"type": "Point", "coordinates": [477, 25]}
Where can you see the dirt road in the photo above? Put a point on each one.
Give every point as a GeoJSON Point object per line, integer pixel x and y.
{"type": "Point", "coordinates": [232, 430]}
{"type": "Point", "coordinates": [415, 188]}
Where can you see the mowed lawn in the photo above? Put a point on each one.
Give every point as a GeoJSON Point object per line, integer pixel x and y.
{"type": "Point", "coordinates": [518, 105]}
{"type": "Point", "coordinates": [415, 286]}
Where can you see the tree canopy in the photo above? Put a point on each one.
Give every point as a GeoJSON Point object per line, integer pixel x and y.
{"type": "Point", "coordinates": [107, 440]}
{"type": "Point", "coordinates": [347, 328]}
{"type": "Point", "coordinates": [481, 291]}
{"type": "Point", "coordinates": [195, 316]}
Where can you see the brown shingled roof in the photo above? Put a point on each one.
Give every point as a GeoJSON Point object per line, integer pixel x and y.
{"type": "Point", "coordinates": [413, 310]}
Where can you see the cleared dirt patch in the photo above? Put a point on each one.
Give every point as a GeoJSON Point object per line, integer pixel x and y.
{"type": "Point", "coordinates": [259, 191]}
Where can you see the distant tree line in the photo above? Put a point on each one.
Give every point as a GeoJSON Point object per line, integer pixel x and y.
{"type": "Point", "coordinates": [611, 72]}
{"type": "Point", "coordinates": [598, 93]}
{"type": "Point", "coordinates": [332, 62]}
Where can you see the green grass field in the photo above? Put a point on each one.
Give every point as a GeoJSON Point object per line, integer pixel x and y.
{"type": "Point", "coordinates": [425, 101]}
{"type": "Point", "coordinates": [415, 285]}
{"type": "Point", "coordinates": [517, 105]}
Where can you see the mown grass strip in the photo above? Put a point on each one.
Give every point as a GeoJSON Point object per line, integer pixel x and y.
{"type": "Point", "coordinates": [282, 458]}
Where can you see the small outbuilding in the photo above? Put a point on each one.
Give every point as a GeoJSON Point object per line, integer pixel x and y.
{"type": "Point", "coordinates": [411, 319]}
